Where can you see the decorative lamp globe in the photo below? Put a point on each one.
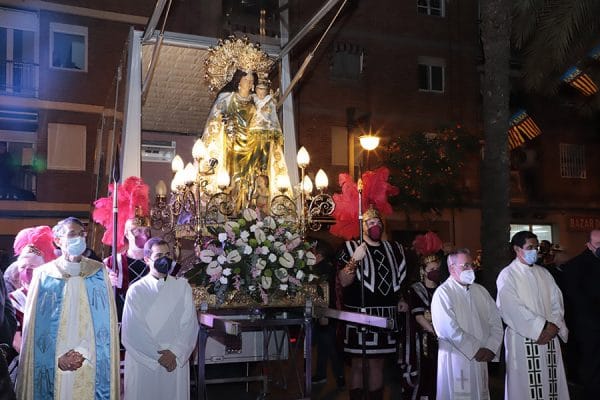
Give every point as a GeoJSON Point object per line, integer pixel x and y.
{"type": "Point", "coordinates": [369, 142]}
{"type": "Point", "coordinates": [303, 158]}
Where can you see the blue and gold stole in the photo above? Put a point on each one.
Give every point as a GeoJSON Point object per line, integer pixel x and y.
{"type": "Point", "coordinates": [48, 311]}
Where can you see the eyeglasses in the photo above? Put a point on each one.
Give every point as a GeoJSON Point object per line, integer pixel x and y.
{"type": "Point", "coordinates": [465, 265]}
{"type": "Point", "coordinates": [140, 231]}
{"type": "Point", "coordinates": [73, 234]}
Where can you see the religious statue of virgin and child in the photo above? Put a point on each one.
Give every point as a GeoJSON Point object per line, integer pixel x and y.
{"type": "Point", "coordinates": [242, 130]}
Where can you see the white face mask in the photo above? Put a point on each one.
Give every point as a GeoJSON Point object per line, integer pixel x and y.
{"type": "Point", "coordinates": [75, 246]}
{"type": "Point", "coordinates": [467, 276]}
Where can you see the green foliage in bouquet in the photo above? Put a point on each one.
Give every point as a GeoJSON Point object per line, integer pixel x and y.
{"type": "Point", "coordinates": [257, 257]}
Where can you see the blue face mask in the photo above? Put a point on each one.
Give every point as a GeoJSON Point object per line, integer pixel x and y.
{"type": "Point", "coordinates": [530, 256]}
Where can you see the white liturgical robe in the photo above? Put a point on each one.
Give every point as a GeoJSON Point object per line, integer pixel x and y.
{"type": "Point", "coordinates": [527, 298]}
{"type": "Point", "coordinates": [159, 314]}
{"type": "Point", "coordinates": [465, 319]}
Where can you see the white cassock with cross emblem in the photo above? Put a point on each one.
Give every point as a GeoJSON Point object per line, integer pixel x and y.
{"type": "Point", "coordinates": [465, 319]}
{"type": "Point", "coordinates": [528, 297]}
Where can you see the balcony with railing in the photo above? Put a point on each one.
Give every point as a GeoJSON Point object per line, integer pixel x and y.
{"type": "Point", "coordinates": [19, 78]}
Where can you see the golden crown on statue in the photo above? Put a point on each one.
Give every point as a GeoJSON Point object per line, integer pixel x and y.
{"type": "Point", "coordinates": [230, 55]}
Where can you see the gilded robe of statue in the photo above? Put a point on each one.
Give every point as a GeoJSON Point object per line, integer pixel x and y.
{"type": "Point", "coordinates": [249, 140]}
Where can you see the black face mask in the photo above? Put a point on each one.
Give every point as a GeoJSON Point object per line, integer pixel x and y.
{"type": "Point", "coordinates": [597, 252]}
{"type": "Point", "coordinates": [163, 264]}
{"type": "Point", "coordinates": [434, 275]}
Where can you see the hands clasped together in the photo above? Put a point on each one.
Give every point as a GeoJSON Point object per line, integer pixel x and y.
{"type": "Point", "coordinates": [70, 361]}
{"type": "Point", "coordinates": [484, 355]}
{"type": "Point", "coordinates": [548, 333]}
{"type": "Point", "coordinates": [167, 359]}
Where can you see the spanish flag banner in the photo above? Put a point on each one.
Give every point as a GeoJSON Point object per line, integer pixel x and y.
{"type": "Point", "coordinates": [580, 81]}
{"type": "Point", "coordinates": [521, 127]}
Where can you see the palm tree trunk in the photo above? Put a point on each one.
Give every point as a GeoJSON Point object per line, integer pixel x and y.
{"type": "Point", "coordinates": [495, 213]}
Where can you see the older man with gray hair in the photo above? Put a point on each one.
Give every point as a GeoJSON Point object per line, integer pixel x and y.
{"type": "Point", "coordinates": [469, 330]}
{"type": "Point", "coordinates": [70, 342]}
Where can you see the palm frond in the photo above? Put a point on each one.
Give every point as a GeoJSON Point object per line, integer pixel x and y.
{"type": "Point", "coordinates": [564, 28]}
{"type": "Point", "coordinates": [525, 20]}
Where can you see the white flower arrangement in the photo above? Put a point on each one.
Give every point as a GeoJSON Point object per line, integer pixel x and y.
{"type": "Point", "coordinates": [259, 257]}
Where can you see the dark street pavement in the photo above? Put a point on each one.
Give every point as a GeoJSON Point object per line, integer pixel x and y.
{"type": "Point", "coordinates": [325, 391]}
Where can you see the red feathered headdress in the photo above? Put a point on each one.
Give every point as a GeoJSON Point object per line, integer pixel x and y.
{"type": "Point", "coordinates": [427, 244]}
{"type": "Point", "coordinates": [40, 237]}
{"type": "Point", "coordinates": [376, 190]}
{"type": "Point", "coordinates": [132, 202]}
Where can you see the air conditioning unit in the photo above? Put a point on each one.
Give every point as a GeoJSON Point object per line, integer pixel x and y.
{"type": "Point", "coordinates": [158, 151]}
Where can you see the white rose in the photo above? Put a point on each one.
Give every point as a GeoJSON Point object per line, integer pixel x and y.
{"type": "Point", "coordinates": [231, 225]}
{"type": "Point", "coordinates": [222, 237]}
{"type": "Point", "coordinates": [234, 257]}
{"type": "Point", "coordinates": [300, 274]}
{"type": "Point", "coordinates": [247, 250]}
{"type": "Point", "coordinates": [223, 280]}
{"type": "Point", "coordinates": [227, 271]}
{"type": "Point", "coordinates": [241, 242]}
{"type": "Point", "coordinates": [282, 275]}
{"type": "Point", "coordinates": [269, 222]}
{"type": "Point", "coordinates": [311, 277]}
{"type": "Point", "coordinates": [249, 215]}
{"type": "Point", "coordinates": [279, 246]}
{"type": "Point", "coordinates": [213, 268]}
{"type": "Point", "coordinates": [264, 250]}
{"type": "Point", "coordinates": [272, 257]}
{"type": "Point", "coordinates": [244, 235]}
{"type": "Point", "coordinates": [271, 238]}
{"type": "Point", "coordinates": [260, 224]}
{"type": "Point", "coordinates": [288, 235]}
{"type": "Point", "coordinates": [221, 259]}
{"type": "Point", "coordinates": [265, 282]}
{"type": "Point", "coordinates": [253, 228]}
{"type": "Point", "coordinates": [261, 264]}
{"type": "Point", "coordinates": [300, 254]}
{"type": "Point", "coordinates": [206, 256]}
{"type": "Point", "coordinates": [260, 235]}
{"type": "Point", "coordinates": [283, 286]}
{"type": "Point", "coordinates": [310, 258]}
{"type": "Point", "coordinates": [252, 288]}
{"type": "Point", "coordinates": [286, 260]}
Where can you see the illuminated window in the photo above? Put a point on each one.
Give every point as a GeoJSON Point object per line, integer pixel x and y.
{"type": "Point", "coordinates": [542, 231]}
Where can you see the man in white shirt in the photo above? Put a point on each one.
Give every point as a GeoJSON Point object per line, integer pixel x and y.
{"type": "Point", "coordinates": [469, 331]}
{"type": "Point", "coordinates": [159, 330]}
{"type": "Point", "coordinates": [531, 305]}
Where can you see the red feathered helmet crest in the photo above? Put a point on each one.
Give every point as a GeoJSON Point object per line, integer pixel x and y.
{"type": "Point", "coordinates": [376, 190]}
{"type": "Point", "coordinates": [133, 202]}
{"type": "Point", "coordinates": [426, 246]}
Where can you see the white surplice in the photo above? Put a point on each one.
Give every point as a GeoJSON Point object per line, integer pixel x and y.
{"type": "Point", "coordinates": [465, 319]}
{"type": "Point", "coordinates": [159, 314]}
{"type": "Point", "coordinates": [527, 298]}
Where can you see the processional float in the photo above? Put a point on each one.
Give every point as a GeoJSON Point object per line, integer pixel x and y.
{"type": "Point", "coordinates": [252, 260]}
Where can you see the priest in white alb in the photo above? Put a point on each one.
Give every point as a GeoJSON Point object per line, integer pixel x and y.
{"type": "Point", "coordinates": [531, 305]}
{"type": "Point", "coordinates": [70, 347]}
{"type": "Point", "coordinates": [469, 330]}
{"type": "Point", "coordinates": [159, 330]}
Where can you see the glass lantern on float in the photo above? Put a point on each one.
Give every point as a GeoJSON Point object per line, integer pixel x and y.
{"type": "Point", "coordinates": [201, 196]}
